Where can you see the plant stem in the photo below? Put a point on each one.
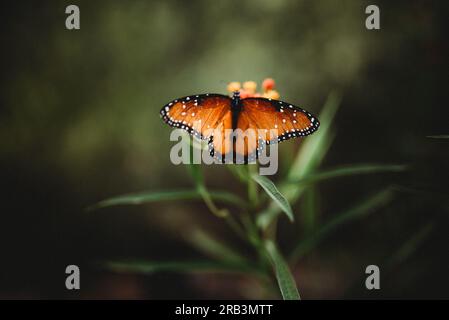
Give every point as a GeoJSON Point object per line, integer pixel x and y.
{"type": "Point", "coordinates": [253, 194]}
{"type": "Point", "coordinates": [270, 231]}
{"type": "Point", "coordinates": [221, 213]}
{"type": "Point", "coordinates": [235, 226]}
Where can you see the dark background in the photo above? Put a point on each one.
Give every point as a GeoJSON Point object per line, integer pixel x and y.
{"type": "Point", "coordinates": [79, 123]}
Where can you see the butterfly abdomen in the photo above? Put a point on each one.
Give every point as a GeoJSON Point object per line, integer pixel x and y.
{"type": "Point", "coordinates": [235, 108]}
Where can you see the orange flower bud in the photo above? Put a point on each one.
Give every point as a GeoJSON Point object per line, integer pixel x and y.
{"type": "Point", "coordinates": [233, 86]}
{"type": "Point", "coordinates": [268, 84]}
{"type": "Point", "coordinates": [272, 94]}
{"type": "Point", "coordinates": [244, 94]}
{"type": "Point", "coordinates": [250, 86]}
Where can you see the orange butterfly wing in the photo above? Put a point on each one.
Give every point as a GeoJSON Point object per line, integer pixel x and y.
{"type": "Point", "coordinates": [274, 121]}
{"type": "Point", "coordinates": [197, 114]}
{"type": "Point", "coordinates": [205, 116]}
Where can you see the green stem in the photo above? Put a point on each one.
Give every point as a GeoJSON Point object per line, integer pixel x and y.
{"type": "Point", "coordinates": [221, 213]}
{"type": "Point", "coordinates": [253, 194]}
{"type": "Point", "coordinates": [271, 230]}
{"type": "Point", "coordinates": [236, 227]}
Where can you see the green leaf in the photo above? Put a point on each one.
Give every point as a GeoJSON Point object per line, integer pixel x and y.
{"type": "Point", "coordinates": [274, 193]}
{"type": "Point", "coordinates": [285, 279]}
{"type": "Point", "coordinates": [149, 267]}
{"type": "Point", "coordinates": [155, 196]}
{"type": "Point", "coordinates": [215, 248]}
{"type": "Point", "coordinates": [367, 206]}
{"type": "Point", "coordinates": [411, 245]}
{"type": "Point", "coordinates": [348, 170]}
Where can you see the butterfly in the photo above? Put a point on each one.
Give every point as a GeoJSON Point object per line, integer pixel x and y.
{"type": "Point", "coordinates": [217, 118]}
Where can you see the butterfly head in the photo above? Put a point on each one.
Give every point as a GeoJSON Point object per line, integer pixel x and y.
{"type": "Point", "coordinates": [236, 95]}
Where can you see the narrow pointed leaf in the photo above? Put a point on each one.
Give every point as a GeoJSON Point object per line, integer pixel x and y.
{"type": "Point", "coordinates": [215, 248]}
{"type": "Point", "coordinates": [149, 267]}
{"type": "Point", "coordinates": [284, 277]}
{"type": "Point", "coordinates": [156, 196]}
{"type": "Point", "coordinates": [274, 193]}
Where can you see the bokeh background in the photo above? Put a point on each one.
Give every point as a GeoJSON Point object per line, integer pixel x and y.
{"type": "Point", "coordinates": [79, 123]}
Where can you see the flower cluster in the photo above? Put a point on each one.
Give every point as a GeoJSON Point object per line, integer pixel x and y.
{"type": "Point", "coordinates": [249, 89]}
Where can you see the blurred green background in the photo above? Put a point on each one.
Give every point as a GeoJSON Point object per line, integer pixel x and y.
{"type": "Point", "coordinates": [79, 123]}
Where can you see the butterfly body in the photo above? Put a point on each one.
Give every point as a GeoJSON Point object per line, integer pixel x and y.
{"type": "Point", "coordinates": [236, 127]}
{"type": "Point", "coordinates": [236, 107]}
